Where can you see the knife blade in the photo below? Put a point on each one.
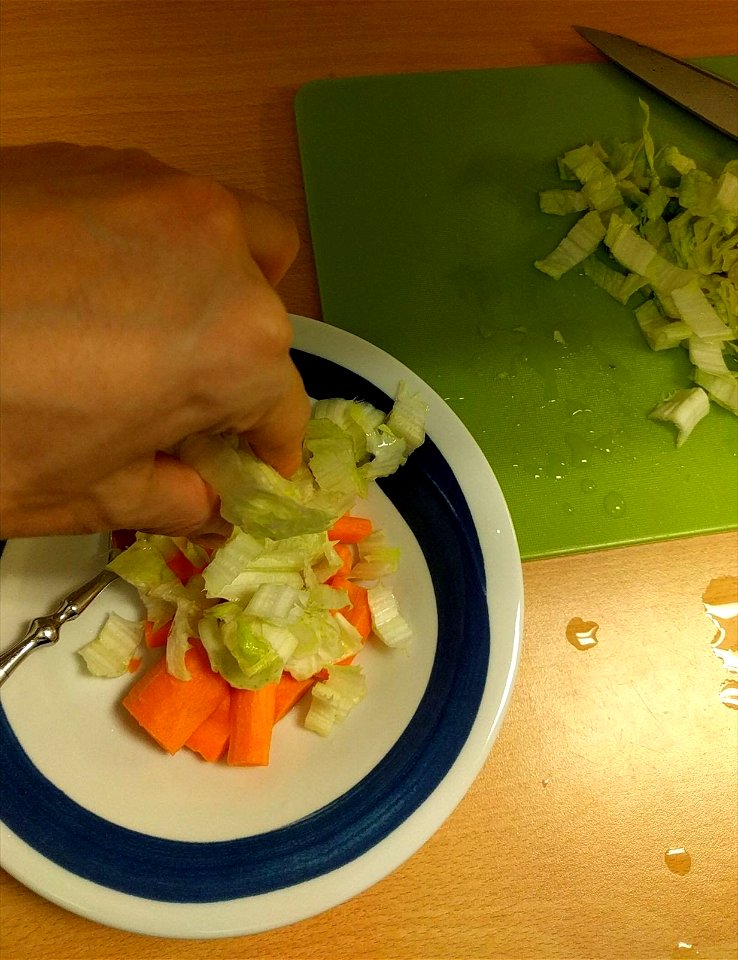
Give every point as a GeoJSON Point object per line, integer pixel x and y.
{"type": "Point", "coordinates": [704, 94]}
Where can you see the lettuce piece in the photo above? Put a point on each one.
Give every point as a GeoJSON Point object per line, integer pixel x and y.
{"type": "Point", "coordinates": [143, 565]}
{"type": "Point", "coordinates": [334, 698]}
{"type": "Point", "coordinates": [111, 651]}
{"type": "Point", "coordinates": [639, 256]}
{"type": "Point", "coordinates": [343, 414]}
{"type": "Point", "coordinates": [187, 616]}
{"type": "Point", "coordinates": [598, 183]}
{"type": "Point", "coordinates": [562, 202]}
{"type": "Point", "coordinates": [660, 332]}
{"type": "Point", "coordinates": [259, 662]}
{"type": "Point", "coordinates": [244, 562]}
{"type": "Point", "coordinates": [331, 459]}
{"type": "Point", "coordinates": [723, 390]}
{"type": "Point", "coordinates": [407, 417]}
{"type": "Point", "coordinates": [387, 621]}
{"type": "Point", "coordinates": [581, 241]}
{"type": "Point", "coordinates": [707, 355]}
{"type": "Point", "coordinates": [388, 450]}
{"type": "Point", "coordinates": [239, 652]}
{"type": "Point", "coordinates": [698, 313]}
{"type": "Point", "coordinates": [255, 497]}
{"type": "Point", "coordinates": [684, 409]}
{"type": "Point", "coordinates": [621, 286]}
{"type": "Point", "coordinates": [277, 602]}
{"type": "Point", "coordinates": [676, 159]}
{"type": "Point", "coordinates": [377, 558]}
{"type": "Point", "coordinates": [320, 641]}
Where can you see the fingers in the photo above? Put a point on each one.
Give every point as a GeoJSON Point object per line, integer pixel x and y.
{"type": "Point", "coordinates": [277, 437]}
{"type": "Point", "coordinates": [271, 236]}
{"type": "Point", "coordinates": [164, 496]}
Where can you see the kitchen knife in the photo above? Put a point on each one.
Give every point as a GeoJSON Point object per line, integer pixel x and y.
{"type": "Point", "coordinates": [708, 96]}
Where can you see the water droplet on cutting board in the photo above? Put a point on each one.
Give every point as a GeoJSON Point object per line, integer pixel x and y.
{"type": "Point", "coordinates": [678, 860]}
{"type": "Point", "coordinates": [588, 486]}
{"type": "Point", "coordinates": [581, 449]}
{"type": "Point", "coordinates": [484, 331]}
{"type": "Point", "coordinates": [614, 504]}
{"type": "Point", "coordinates": [582, 634]}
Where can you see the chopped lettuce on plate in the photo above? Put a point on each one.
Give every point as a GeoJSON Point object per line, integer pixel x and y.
{"type": "Point", "coordinates": [263, 603]}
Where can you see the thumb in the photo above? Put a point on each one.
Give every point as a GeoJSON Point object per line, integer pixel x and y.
{"type": "Point", "coordinates": [162, 495]}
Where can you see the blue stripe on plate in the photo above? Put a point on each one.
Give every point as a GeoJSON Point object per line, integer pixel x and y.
{"type": "Point", "coordinates": [429, 498]}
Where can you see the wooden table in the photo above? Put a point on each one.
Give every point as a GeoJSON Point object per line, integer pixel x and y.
{"type": "Point", "coordinates": [607, 757]}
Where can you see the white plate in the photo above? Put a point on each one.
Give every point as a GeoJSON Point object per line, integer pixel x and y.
{"type": "Point", "coordinates": [100, 821]}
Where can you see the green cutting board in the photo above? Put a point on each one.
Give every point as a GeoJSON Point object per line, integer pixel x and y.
{"type": "Point", "coordinates": [422, 193]}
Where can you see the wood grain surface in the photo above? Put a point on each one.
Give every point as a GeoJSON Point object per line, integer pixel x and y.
{"type": "Point", "coordinates": [608, 757]}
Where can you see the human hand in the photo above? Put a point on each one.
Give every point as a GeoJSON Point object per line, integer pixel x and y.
{"type": "Point", "coordinates": [138, 307]}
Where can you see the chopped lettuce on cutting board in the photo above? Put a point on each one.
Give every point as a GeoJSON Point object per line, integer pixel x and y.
{"type": "Point", "coordinates": [659, 232]}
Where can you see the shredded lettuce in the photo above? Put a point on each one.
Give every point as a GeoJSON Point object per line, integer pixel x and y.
{"type": "Point", "coordinates": [111, 651]}
{"type": "Point", "coordinates": [387, 621]}
{"type": "Point", "coordinates": [377, 558]}
{"type": "Point", "coordinates": [263, 603]}
{"type": "Point", "coordinates": [579, 243]}
{"type": "Point", "coordinates": [684, 409]}
{"type": "Point", "coordinates": [333, 698]}
{"type": "Point", "coordinates": [656, 225]}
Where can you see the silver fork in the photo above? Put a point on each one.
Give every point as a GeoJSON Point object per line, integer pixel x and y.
{"type": "Point", "coordinates": [45, 630]}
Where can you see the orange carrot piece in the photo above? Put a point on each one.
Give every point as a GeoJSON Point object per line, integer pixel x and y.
{"type": "Point", "coordinates": [182, 567]}
{"type": "Point", "coordinates": [156, 637]}
{"type": "Point", "coordinates": [289, 692]}
{"type": "Point", "coordinates": [357, 612]}
{"type": "Point", "coordinates": [348, 529]}
{"type": "Point", "coordinates": [346, 554]}
{"type": "Point", "coordinates": [170, 710]}
{"type": "Point", "coordinates": [252, 721]}
{"type": "Point", "coordinates": [211, 737]}
{"type": "Point", "coordinates": [133, 664]}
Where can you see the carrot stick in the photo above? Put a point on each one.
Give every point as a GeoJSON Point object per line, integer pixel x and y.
{"type": "Point", "coordinates": [252, 720]}
{"type": "Point", "coordinates": [289, 692]}
{"type": "Point", "coordinates": [348, 529]}
{"type": "Point", "coordinates": [170, 710]}
{"type": "Point", "coordinates": [158, 637]}
{"type": "Point", "coordinates": [211, 737]}
{"type": "Point", "coordinates": [346, 554]}
{"type": "Point", "coordinates": [357, 612]}
{"type": "Point", "coordinates": [182, 567]}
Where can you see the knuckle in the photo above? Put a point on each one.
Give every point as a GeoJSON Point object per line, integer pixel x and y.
{"type": "Point", "coordinates": [270, 329]}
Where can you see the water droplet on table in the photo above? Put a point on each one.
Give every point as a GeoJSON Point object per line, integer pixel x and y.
{"type": "Point", "coordinates": [684, 949]}
{"type": "Point", "coordinates": [678, 860]}
{"type": "Point", "coordinates": [582, 634]}
{"type": "Point", "coordinates": [729, 693]}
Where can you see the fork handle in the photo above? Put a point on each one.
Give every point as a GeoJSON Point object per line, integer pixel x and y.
{"type": "Point", "coordinates": [45, 630]}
